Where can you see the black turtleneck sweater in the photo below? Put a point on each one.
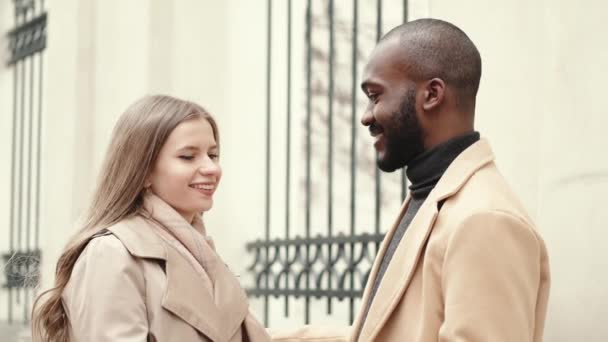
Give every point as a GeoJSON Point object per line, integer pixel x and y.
{"type": "Point", "coordinates": [424, 172]}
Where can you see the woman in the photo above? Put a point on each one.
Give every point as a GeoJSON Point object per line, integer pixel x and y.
{"type": "Point", "coordinates": [142, 267]}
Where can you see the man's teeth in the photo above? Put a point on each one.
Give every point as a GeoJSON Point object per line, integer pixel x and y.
{"type": "Point", "coordinates": [202, 186]}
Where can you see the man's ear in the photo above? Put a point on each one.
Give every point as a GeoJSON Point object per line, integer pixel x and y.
{"type": "Point", "coordinates": [434, 94]}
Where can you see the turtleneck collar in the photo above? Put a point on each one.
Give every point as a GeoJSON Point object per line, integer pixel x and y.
{"type": "Point", "coordinates": [426, 169]}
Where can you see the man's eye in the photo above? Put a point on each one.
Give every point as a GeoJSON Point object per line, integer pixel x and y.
{"type": "Point", "coordinates": [186, 157]}
{"type": "Point", "coordinates": [373, 97]}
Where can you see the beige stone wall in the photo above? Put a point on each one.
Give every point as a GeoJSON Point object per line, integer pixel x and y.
{"type": "Point", "coordinates": [6, 122]}
{"type": "Point", "coordinates": [540, 104]}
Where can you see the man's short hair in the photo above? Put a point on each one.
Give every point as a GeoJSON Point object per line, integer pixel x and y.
{"type": "Point", "coordinates": [436, 48]}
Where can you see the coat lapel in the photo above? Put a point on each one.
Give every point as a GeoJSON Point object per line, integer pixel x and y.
{"type": "Point", "coordinates": [403, 264]}
{"type": "Point", "coordinates": [229, 297]}
{"type": "Point", "coordinates": [185, 297]}
{"type": "Point", "coordinates": [399, 272]}
{"type": "Point", "coordinates": [376, 266]}
{"type": "Point", "coordinates": [216, 316]}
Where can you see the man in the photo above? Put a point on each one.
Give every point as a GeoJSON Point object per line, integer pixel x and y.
{"type": "Point", "coordinates": [463, 262]}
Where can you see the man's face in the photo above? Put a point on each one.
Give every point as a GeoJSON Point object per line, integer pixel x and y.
{"type": "Point", "coordinates": [391, 114]}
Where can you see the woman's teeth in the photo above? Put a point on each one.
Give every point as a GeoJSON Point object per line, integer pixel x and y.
{"type": "Point", "coordinates": [202, 186]}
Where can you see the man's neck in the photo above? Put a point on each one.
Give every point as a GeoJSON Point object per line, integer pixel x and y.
{"type": "Point", "coordinates": [426, 169]}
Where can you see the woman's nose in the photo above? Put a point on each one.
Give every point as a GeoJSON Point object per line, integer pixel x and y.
{"type": "Point", "coordinates": [209, 167]}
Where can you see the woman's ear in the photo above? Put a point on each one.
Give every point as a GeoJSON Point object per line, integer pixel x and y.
{"type": "Point", "coordinates": [434, 94]}
{"type": "Point", "coordinates": [147, 183]}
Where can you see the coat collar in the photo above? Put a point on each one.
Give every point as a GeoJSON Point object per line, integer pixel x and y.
{"type": "Point", "coordinates": [217, 316]}
{"type": "Point", "coordinates": [401, 268]}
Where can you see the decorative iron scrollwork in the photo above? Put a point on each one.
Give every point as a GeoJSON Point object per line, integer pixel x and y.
{"type": "Point", "coordinates": [21, 269]}
{"type": "Point", "coordinates": [327, 263]}
{"type": "Point", "coordinates": [27, 38]}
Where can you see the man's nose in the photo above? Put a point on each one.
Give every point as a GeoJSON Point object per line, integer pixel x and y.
{"type": "Point", "coordinates": [367, 118]}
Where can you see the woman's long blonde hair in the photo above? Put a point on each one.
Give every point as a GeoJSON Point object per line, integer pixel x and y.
{"type": "Point", "coordinates": [136, 141]}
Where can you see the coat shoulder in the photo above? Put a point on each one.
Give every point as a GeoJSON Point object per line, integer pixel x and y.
{"type": "Point", "coordinates": [105, 247]}
{"type": "Point", "coordinates": [137, 235]}
{"type": "Point", "coordinates": [105, 274]}
{"type": "Point", "coordinates": [487, 192]}
{"type": "Point", "coordinates": [104, 257]}
{"type": "Point", "coordinates": [488, 199]}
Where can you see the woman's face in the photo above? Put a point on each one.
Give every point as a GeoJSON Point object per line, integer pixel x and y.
{"type": "Point", "coordinates": [187, 173]}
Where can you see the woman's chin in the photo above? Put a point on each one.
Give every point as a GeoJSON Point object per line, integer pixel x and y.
{"type": "Point", "coordinates": [205, 206]}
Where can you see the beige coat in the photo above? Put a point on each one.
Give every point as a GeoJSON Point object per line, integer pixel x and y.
{"type": "Point", "coordinates": [129, 285]}
{"type": "Point", "coordinates": [474, 271]}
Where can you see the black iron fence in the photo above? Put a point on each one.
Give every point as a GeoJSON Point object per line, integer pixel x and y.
{"type": "Point", "coordinates": [27, 42]}
{"type": "Point", "coordinates": [334, 265]}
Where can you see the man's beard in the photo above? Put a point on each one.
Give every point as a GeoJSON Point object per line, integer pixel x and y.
{"type": "Point", "coordinates": [404, 137]}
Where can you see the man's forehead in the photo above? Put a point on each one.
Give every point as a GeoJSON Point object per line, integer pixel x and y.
{"type": "Point", "coordinates": [387, 57]}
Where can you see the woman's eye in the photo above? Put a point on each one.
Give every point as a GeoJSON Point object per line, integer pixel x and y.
{"type": "Point", "coordinates": [186, 157]}
{"type": "Point", "coordinates": [373, 97]}
{"type": "Point", "coordinates": [214, 156]}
